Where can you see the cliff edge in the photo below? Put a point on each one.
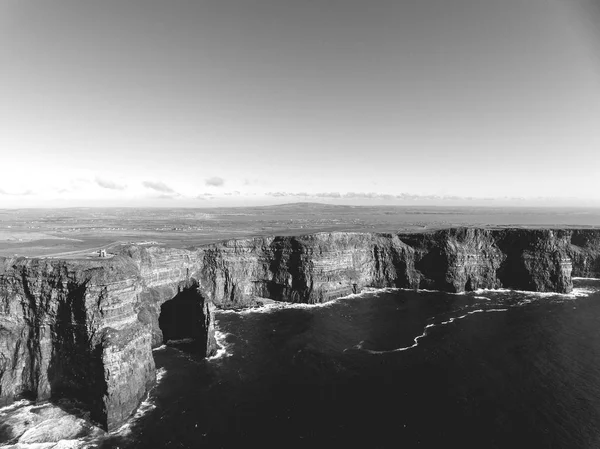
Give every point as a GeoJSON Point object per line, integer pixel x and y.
{"type": "Point", "coordinates": [85, 329]}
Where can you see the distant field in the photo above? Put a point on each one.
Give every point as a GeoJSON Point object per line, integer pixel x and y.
{"type": "Point", "coordinates": [78, 232]}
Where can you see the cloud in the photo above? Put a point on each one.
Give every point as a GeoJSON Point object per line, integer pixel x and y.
{"type": "Point", "coordinates": [25, 193]}
{"type": "Point", "coordinates": [234, 193]}
{"type": "Point", "coordinates": [158, 186]}
{"type": "Point", "coordinates": [381, 196]}
{"type": "Point", "coordinates": [165, 196]}
{"type": "Point", "coordinates": [105, 184]}
{"type": "Point", "coordinates": [205, 196]}
{"type": "Point", "coordinates": [363, 195]}
{"type": "Point", "coordinates": [215, 181]}
{"type": "Point", "coordinates": [304, 194]}
{"type": "Point", "coordinates": [360, 195]}
{"type": "Point", "coordinates": [328, 195]}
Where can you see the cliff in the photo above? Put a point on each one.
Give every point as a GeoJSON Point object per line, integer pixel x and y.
{"type": "Point", "coordinates": [85, 329]}
{"type": "Point", "coordinates": [321, 267]}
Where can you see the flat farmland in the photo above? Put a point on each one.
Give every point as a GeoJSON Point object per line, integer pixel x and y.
{"type": "Point", "coordinates": [80, 232]}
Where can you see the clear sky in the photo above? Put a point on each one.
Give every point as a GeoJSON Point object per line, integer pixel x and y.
{"type": "Point", "coordinates": [221, 102]}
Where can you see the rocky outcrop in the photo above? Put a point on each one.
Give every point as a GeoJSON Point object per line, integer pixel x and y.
{"type": "Point", "coordinates": [584, 251]}
{"type": "Point", "coordinates": [320, 267]}
{"type": "Point", "coordinates": [85, 328]}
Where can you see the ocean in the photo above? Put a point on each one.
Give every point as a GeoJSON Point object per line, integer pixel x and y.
{"type": "Point", "coordinates": [386, 368]}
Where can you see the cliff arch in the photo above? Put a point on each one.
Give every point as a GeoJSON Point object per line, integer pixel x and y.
{"type": "Point", "coordinates": [183, 320]}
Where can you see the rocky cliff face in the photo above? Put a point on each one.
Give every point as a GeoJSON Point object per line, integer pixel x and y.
{"type": "Point", "coordinates": [320, 267]}
{"type": "Point", "coordinates": [85, 328]}
{"type": "Point", "coordinates": [584, 251]}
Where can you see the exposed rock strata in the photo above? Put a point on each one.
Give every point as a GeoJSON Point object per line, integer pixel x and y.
{"type": "Point", "coordinates": [320, 267]}
{"type": "Point", "coordinates": [85, 328]}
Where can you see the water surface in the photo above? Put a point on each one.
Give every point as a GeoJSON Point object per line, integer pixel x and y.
{"type": "Point", "coordinates": [493, 369]}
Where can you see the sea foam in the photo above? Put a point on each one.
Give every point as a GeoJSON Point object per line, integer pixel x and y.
{"type": "Point", "coordinates": [481, 291]}
{"type": "Point", "coordinates": [222, 345]}
{"type": "Point", "coordinates": [47, 425]}
{"type": "Point", "coordinates": [360, 346]}
{"type": "Point", "coordinates": [144, 408]}
{"type": "Point", "coordinates": [272, 306]}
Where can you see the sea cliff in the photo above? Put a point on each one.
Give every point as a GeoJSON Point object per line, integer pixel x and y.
{"type": "Point", "coordinates": [85, 329]}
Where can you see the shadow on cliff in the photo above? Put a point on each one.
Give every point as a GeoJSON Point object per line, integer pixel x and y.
{"type": "Point", "coordinates": [76, 369]}
{"type": "Point", "coordinates": [182, 321]}
{"type": "Point", "coordinates": [287, 262]}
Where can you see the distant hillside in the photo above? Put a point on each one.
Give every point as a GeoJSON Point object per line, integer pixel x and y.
{"type": "Point", "coordinates": [306, 205]}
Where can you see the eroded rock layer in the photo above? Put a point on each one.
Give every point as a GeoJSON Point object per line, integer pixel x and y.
{"type": "Point", "coordinates": [86, 328]}
{"type": "Point", "coordinates": [320, 267]}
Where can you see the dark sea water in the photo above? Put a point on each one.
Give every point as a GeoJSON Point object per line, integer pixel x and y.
{"type": "Point", "coordinates": [393, 368]}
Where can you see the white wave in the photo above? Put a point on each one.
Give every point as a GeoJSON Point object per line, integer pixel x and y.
{"type": "Point", "coordinates": [427, 290]}
{"type": "Point", "coordinates": [181, 340]}
{"type": "Point", "coordinates": [466, 292]}
{"type": "Point", "coordinates": [160, 374]}
{"type": "Point", "coordinates": [14, 405]}
{"type": "Point", "coordinates": [482, 297]}
{"type": "Point", "coordinates": [272, 305]}
{"type": "Point", "coordinates": [144, 408]}
{"type": "Point", "coordinates": [451, 320]}
{"type": "Point", "coordinates": [47, 425]}
{"type": "Point", "coordinates": [581, 292]}
{"type": "Point", "coordinates": [222, 352]}
{"type": "Point", "coordinates": [368, 291]}
{"type": "Point", "coordinates": [480, 291]}
{"type": "Point", "coordinates": [160, 348]}
{"type": "Point", "coordinates": [80, 443]}
{"type": "Point", "coordinates": [425, 333]}
{"type": "Point", "coordinates": [530, 296]}
{"type": "Point", "coordinates": [269, 307]}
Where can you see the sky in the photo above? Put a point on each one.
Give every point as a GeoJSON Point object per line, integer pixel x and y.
{"type": "Point", "coordinates": [223, 102]}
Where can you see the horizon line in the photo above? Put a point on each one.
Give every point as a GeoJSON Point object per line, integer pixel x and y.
{"type": "Point", "coordinates": [433, 206]}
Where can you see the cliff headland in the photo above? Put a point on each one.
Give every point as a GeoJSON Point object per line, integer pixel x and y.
{"type": "Point", "coordinates": [85, 329]}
